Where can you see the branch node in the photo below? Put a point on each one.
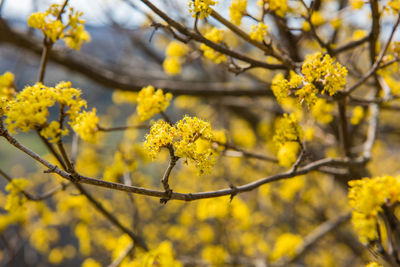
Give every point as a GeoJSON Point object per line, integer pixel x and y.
{"type": "Point", "coordinates": [233, 194]}
{"type": "Point", "coordinates": [164, 200]}
{"type": "Point", "coordinates": [51, 170]}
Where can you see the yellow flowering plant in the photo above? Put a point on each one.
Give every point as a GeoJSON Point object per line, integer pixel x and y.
{"type": "Point", "coordinates": [231, 133]}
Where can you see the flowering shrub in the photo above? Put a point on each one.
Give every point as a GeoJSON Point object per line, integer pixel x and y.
{"type": "Point", "coordinates": [261, 129]}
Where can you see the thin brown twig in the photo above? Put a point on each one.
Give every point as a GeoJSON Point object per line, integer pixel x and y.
{"type": "Point", "coordinates": [377, 63]}
{"type": "Point", "coordinates": [246, 153]}
{"type": "Point", "coordinates": [47, 45]}
{"type": "Point", "coordinates": [112, 78]}
{"type": "Point", "coordinates": [319, 232]}
{"type": "Point", "coordinates": [314, 166]}
{"type": "Point", "coordinates": [172, 162]}
{"type": "Point", "coordinates": [239, 32]}
{"type": "Point", "coordinates": [201, 39]}
{"type": "Point", "coordinates": [122, 128]}
{"type": "Point", "coordinates": [41, 197]}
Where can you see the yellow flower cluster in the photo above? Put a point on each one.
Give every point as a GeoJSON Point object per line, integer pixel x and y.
{"type": "Point", "coordinates": [287, 130]}
{"type": "Point", "coordinates": [258, 32]}
{"type": "Point", "coordinates": [320, 75]}
{"type": "Point", "coordinates": [14, 199]}
{"type": "Point", "coordinates": [282, 87]}
{"type": "Point", "coordinates": [215, 254]}
{"type": "Point", "coordinates": [394, 6]}
{"type": "Point", "coordinates": [194, 142]}
{"type": "Point", "coordinates": [322, 111]}
{"type": "Point", "coordinates": [7, 91]}
{"type": "Point", "coordinates": [85, 125]}
{"type": "Point", "coordinates": [237, 10]}
{"type": "Point", "coordinates": [287, 153]}
{"type": "Point", "coordinates": [163, 255]}
{"type": "Point", "coordinates": [161, 135]}
{"type": "Point", "coordinates": [323, 73]}
{"type": "Point", "coordinates": [41, 238]}
{"type": "Point", "coordinates": [373, 264]}
{"type": "Point", "coordinates": [357, 115]}
{"type": "Point", "coordinates": [174, 53]}
{"type": "Point", "coordinates": [216, 36]}
{"type": "Point", "coordinates": [151, 102]}
{"type": "Point", "coordinates": [356, 4]}
{"type": "Point", "coordinates": [30, 109]}
{"type": "Point", "coordinates": [285, 246]}
{"type": "Point", "coordinates": [121, 97]}
{"type": "Point", "coordinates": [89, 262]}
{"type": "Point", "coordinates": [366, 197]}
{"type": "Point", "coordinates": [123, 162]}
{"type": "Point", "coordinates": [288, 135]}
{"type": "Point", "coordinates": [317, 19]}
{"type": "Point", "coordinates": [280, 7]}
{"type": "Point", "coordinates": [53, 132]}
{"type": "Point", "coordinates": [201, 7]}
{"type": "Point", "coordinates": [191, 138]}
{"type": "Point", "coordinates": [49, 22]}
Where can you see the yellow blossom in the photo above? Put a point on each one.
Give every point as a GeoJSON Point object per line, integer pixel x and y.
{"type": "Point", "coordinates": [161, 135]}
{"type": "Point", "coordinates": [151, 102]}
{"type": "Point", "coordinates": [53, 132]}
{"type": "Point", "coordinates": [366, 197]}
{"type": "Point", "coordinates": [373, 264]}
{"type": "Point", "coordinates": [85, 125]}
{"type": "Point", "coordinates": [317, 18]}
{"type": "Point", "coordinates": [237, 10]}
{"type": "Point", "coordinates": [280, 87]}
{"type": "Point", "coordinates": [215, 36]}
{"type": "Point", "coordinates": [69, 97]}
{"type": "Point", "coordinates": [84, 238]}
{"type": "Point", "coordinates": [29, 108]}
{"type": "Point", "coordinates": [120, 97]}
{"type": "Point", "coordinates": [320, 74]}
{"type": "Point", "coordinates": [357, 115]}
{"type": "Point", "coordinates": [322, 111]}
{"type": "Point", "coordinates": [175, 49]}
{"type": "Point", "coordinates": [215, 254]}
{"type": "Point", "coordinates": [189, 130]}
{"type": "Point", "coordinates": [7, 91]}
{"type": "Point", "coordinates": [287, 130]}
{"type": "Point", "coordinates": [359, 34]}
{"type": "Point", "coordinates": [89, 262]}
{"type": "Point", "coordinates": [394, 6]}
{"type": "Point", "coordinates": [279, 6]}
{"type": "Point", "coordinates": [285, 246]}
{"type": "Point", "coordinates": [287, 153]}
{"type": "Point", "coordinates": [15, 200]}
{"type": "Point", "coordinates": [72, 32]}
{"type": "Point", "coordinates": [172, 65]}
{"type": "Point", "coordinates": [357, 4]}
{"type": "Point", "coordinates": [123, 162]}
{"type": "Point", "coordinates": [42, 238]}
{"type": "Point", "coordinates": [191, 139]}
{"type": "Point", "coordinates": [76, 36]}
{"type": "Point", "coordinates": [56, 256]}
{"type": "Point", "coordinates": [336, 23]}
{"type": "Point", "coordinates": [258, 32]}
{"type": "Point", "coordinates": [162, 256]}
{"type": "Point", "coordinates": [201, 7]}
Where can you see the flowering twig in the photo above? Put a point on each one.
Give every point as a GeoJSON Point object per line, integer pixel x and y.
{"type": "Point", "coordinates": [314, 166]}
{"type": "Point", "coordinates": [199, 38]}
{"type": "Point", "coordinates": [41, 197]}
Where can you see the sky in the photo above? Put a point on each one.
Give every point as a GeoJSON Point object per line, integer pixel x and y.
{"type": "Point", "coordinates": [93, 10]}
